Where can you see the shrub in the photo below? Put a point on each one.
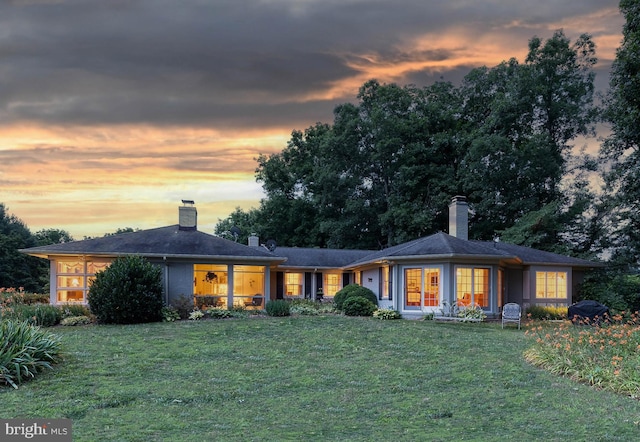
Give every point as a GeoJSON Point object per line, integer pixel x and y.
{"type": "Point", "coordinates": [129, 291]}
{"type": "Point", "coordinates": [75, 320]}
{"type": "Point", "coordinates": [278, 307]}
{"type": "Point", "coordinates": [472, 312]}
{"type": "Point", "coordinates": [219, 313]}
{"type": "Point", "coordinates": [387, 313]}
{"type": "Point", "coordinates": [170, 314]}
{"type": "Point", "coordinates": [33, 298]}
{"type": "Point", "coordinates": [196, 315]}
{"type": "Point", "coordinates": [341, 294]}
{"type": "Point", "coordinates": [25, 350]}
{"type": "Point", "coordinates": [358, 306]}
{"type": "Point", "coordinates": [74, 310]}
{"type": "Point", "coordinates": [361, 292]}
{"type": "Point", "coordinates": [37, 314]}
{"type": "Point", "coordinates": [304, 309]}
{"type": "Point", "coordinates": [183, 305]}
{"type": "Point", "coordinates": [541, 312]}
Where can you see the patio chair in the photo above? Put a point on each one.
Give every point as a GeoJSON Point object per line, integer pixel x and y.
{"type": "Point", "coordinates": [255, 301]}
{"type": "Point", "coordinates": [511, 312]}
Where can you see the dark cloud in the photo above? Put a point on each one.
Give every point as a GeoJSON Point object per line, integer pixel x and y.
{"type": "Point", "coordinates": [224, 63]}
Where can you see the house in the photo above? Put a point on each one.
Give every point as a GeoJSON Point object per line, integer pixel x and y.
{"type": "Point", "coordinates": [414, 278]}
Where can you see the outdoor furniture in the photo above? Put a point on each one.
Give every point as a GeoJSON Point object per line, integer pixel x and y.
{"type": "Point", "coordinates": [255, 301]}
{"type": "Point", "coordinates": [511, 312]}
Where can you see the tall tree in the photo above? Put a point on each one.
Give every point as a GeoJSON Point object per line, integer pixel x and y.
{"type": "Point", "coordinates": [521, 119]}
{"type": "Point", "coordinates": [622, 148]}
{"type": "Point", "coordinates": [17, 269]}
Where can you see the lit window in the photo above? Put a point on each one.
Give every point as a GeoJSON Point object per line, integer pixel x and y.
{"type": "Point", "coordinates": [293, 284]}
{"type": "Point", "coordinates": [551, 285]}
{"type": "Point", "coordinates": [421, 287]}
{"type": "Point", "coordinates": [74, 278]}
{"type": "Point", "coordinates": [384, 282]}
{"type": "Point", "coordinates": [472, 286]}
{"type": "Point", "coordinates": [331, 284]}
{"type": "Point", "coordinates": [248, 286]}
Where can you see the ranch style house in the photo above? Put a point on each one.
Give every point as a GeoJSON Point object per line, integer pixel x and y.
{"type": "Point", "coordinates": [414, 278]}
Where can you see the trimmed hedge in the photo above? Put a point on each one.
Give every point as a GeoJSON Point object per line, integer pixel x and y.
{"type": "Point", "coordinates": [354, 290]}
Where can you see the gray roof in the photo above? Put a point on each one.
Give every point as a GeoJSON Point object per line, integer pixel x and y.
{"type": "Point", "coordinates": [434, 246]}
{"type": "Point", "coordinates": [319, 258]}
{"type": "Point", "coordinates": [164, 241]}
{"type": "Point", "coordinates": [530, 256]}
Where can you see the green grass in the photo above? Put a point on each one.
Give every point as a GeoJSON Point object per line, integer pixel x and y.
{"type": "Point", "coordinates": [314, 378]}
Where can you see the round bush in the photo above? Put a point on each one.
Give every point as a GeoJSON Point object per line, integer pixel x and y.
{"type": "Point", "coordinates": [358, 306]}
{"type": "Point", "coordinates": [341, 294]}
{"type": "Point", "coordinates": [129, 291]}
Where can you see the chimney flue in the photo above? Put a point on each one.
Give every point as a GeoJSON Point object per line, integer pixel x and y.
{"type": "Point", "coordinates": [187, 216]}
{"type": "Point", "coordinates": [459, 217]}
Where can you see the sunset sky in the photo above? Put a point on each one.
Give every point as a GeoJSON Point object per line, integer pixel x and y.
{"type": "Point", "coordinates": [111, 112]}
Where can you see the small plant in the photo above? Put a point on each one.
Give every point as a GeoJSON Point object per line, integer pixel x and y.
{"type": "Point", "coordinates": [75, 320]}
{"type": "Point", "coordinates": [74, 310]}
{"type": "Point", "coordinates": [358, 306]}
{"type": "Point", "coordinates": [429, 316]}
{"type": "Point", "coordinates": [472, 313]}
{"type": "Point", "coordinates": [25, 351]}
{"type": "Point", "coordinates": [387, 314]}
{"type": "Point", "coordinates": [305, 307]}
{"type": "Point", "coordinates": [218, 313]}
{"type": "Point", "coordinates": [278, 307]}
{"type": "Point", "coordinates": [196, 315]}
{"type": "Point", "coordinates": [170, 314]}
{"type": "Point", "coordinates": [183, 305]}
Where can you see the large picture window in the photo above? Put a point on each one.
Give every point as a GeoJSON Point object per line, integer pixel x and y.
{"type": "Point", "coordinates": [74, 278]}
{"type": "Point", "coordinates": [551, 285]}
{"type": "Point", "coordinates": [472, 286]}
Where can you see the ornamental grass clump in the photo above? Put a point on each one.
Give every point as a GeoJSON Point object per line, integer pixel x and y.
{"type": "Point", "coordinates": [605, 356]}
{"type": "Point", "coordinates": [25, 350]}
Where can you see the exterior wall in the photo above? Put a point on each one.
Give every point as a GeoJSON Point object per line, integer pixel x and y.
{"type": "Point", "coordinates": [178, 280]}
{"type": "Point", "coordinates": [514, 286]}
{"type": "Point", "coordinates": [529, 287]}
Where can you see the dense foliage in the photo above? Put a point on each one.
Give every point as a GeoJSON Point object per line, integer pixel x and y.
{"type": "Point", "coordinates": [278, 307]}
{"type": "Point", "coordinates": [354, 291]}
{"type": "Point", "coordinates": [621, 150]}
{"type": "Point", "coordinates": [25, 350]}
{"type": "Point", "coordinates": [358, 306]}
{"type": "Point", "coordinates": [129, 291]}
{"type": "Point", "coordinates": [385, 170]}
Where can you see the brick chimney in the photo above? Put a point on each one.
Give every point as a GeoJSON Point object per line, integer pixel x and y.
{"type": "Point", "coordinates": [459, 217]}
{"type": "Point", "coordinates": [187, 216]}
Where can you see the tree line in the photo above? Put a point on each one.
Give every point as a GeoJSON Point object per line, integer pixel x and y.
{"type": "Point", "coordinates": [384, 171]}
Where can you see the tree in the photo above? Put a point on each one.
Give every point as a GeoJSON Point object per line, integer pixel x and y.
{"type": "Point", "coordinates": [622, 148]}
{"type": "Point", "coordinates": [17, 269]}
{"type": "Point", "coordinates": [47, 237]}
{"type": "Point", "coordinates": [520, 120]}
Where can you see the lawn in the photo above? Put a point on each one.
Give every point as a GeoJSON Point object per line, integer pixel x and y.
{"type": "Point", "coordinates": [314, 378]}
